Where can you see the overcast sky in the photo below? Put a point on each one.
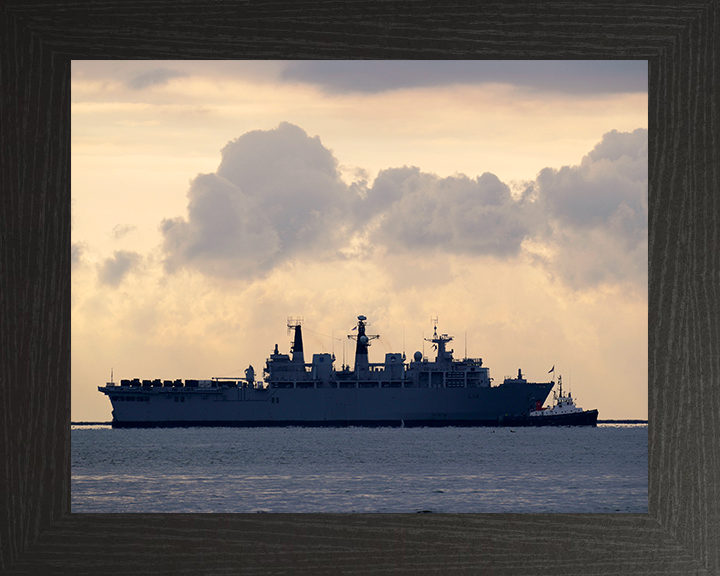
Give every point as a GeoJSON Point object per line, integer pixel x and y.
{"type": "Point", "coordinates": [212, 200]}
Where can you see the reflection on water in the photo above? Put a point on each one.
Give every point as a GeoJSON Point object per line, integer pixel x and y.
{"type": "Point", "coordinates": [601, 469]}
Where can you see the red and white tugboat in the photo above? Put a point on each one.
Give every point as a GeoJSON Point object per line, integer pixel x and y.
{"type": "Point", "coordinates": [563, 413]}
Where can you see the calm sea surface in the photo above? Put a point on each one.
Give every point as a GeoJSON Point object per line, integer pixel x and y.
{"type": "Point", "coordinates": [601, 469]}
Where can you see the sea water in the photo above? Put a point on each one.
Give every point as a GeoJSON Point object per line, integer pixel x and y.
{"type": "Point", "coordinates": [553, 469]}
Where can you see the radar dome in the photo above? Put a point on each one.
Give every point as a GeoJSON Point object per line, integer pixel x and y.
{"type": "Point", "coordinates": [363, 339]}
{"type": "Point", "coordinates": [417, 356]}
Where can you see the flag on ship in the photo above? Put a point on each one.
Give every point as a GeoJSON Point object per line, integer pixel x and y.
{"type": "Point", "coordinates": [551, 369]}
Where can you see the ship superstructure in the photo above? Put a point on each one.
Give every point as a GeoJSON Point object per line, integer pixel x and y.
{"type": "Point", "coordinates": [293, 392]}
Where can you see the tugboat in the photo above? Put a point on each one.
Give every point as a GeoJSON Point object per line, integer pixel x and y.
{"type": "Point", "coordinates": [563, 413]}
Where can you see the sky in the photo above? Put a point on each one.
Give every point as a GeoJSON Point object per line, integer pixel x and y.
{"type": "Point", "coordinates": [213, 200]}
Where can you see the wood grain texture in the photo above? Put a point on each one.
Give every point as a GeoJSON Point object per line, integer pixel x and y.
{"type": "Point", "coordinates": [680, 535]}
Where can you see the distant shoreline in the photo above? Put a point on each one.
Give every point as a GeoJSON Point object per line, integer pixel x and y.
{"type": "Point", "coordinates": [622, 421]}
{"type": "Point", "coordinates": [90, 423]}
{"type": "Point", "coordinates": [599, 422]}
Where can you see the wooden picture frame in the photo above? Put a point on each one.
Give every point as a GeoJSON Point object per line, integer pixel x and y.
{"type": "Point", "coordinates": [39, 535]}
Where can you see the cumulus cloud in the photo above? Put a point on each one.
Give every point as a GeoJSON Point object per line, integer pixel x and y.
{"type": "Point", "coordinates": [455, 214]}
{"type": "Point", "coordinates": [611, 176]}
{"type": "Point", "coordinates": [113, 270]}
{"type": "Point", "coordinates": [599, 212]}
{"type": "Point", "coordinates": [277, 195]}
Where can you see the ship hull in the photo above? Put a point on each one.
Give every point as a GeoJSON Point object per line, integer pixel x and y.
{"type": "Point", "coordinates": [311, 423]}
{"type": "Point", "coordinates": [585, 418]}
{"type": "Point", "coordinates": [334, 407]}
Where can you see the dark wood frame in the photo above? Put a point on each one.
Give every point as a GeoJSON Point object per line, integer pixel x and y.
{"type": "Point", "coordinates": [39, 535]}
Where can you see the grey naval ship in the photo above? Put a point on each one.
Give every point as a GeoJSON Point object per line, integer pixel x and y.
{"type": "Point", "coordinates": [293, 392]}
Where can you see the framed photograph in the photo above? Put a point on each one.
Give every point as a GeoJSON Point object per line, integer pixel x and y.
{"type": "Point", "coordinates": [370, 215]}
{"type": "Point", "coordinates": [507, 198]}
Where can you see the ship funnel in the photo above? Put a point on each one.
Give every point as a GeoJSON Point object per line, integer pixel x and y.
{"type": "Point", "coordinates": [297, 349]}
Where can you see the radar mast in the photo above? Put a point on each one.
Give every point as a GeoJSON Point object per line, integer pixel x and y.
{"type": "Point", "coordinates": [439, 342]}
{"type": "Point", "coordinates": [363, 341]}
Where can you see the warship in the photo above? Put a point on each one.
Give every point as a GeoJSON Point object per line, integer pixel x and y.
{"type": "Point", "coordinates": [292, 392]}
